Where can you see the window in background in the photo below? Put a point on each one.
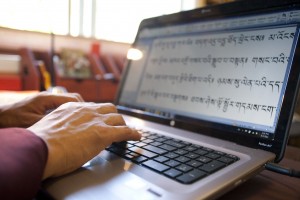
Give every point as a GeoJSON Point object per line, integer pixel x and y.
{"type": "Point", "coordinates": [35, 15]}
{"type": "Point", "coordinates": [119, 19]}
{"type": "Point", "coordinates": [115, 20]}
{"type": "Point", "coordinates": [75, 15]}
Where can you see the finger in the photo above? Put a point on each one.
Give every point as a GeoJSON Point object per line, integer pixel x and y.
{"type": "Point", "coordinates": [124, 133]}
{"type": "Point", "coordinates": [77, 96]}
{"type": "Point", "coordinates": [69, 97]}
{"type": "Point", "coordinates": [103, 108]}
{"type": "Point", "coordinates": [114, 119]}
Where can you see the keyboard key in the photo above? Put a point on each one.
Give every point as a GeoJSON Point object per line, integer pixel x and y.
{"type": "Point", "coordinates": [143, 152]}
{"type": "Point", "coordinates": [184, 168]}
{"type": "Point", "coordinates": [155, 165]}
{"type": "Point", "coordinates": [232, 156]}
{"type": "Point", "coordinates": [182, 159]}
{"type": "Point", "coordinates": [133, 142]}
{"type": "Point", "coordinates": [181, 152]}
{"type": "Point", "coordinates": [118, 150]}
{"type": "Point", "coordinates": [156, 143]}
{"type": "Point", "coordinates": [190, 148]}
{"type": "Point", "coordinates": [161, 139]}
{"type": "Point", "coordinates": [130, 155]}
{"type": "Point", "coordinates": [226, 160]}
{"type": "Point", "coordinates": [139, 159]}
{"type": "Point", "coordinates": [154, 149]}
{"type": "Point", "coordinates": [201, 152]}
{"type": "Point", "coordinates": [174, 143]}
{"type": "Point", "coordinates": [196, 146]}
{"type": "Point", "coordinates": [161, 159]}
{"type": "Point", "coordinates": [140, 144]}
{"type": "Point", "coordinates": [212, 156]}
{"type": "Point", "coordinates": [212, 166]}
{"type": "Point", "coordinates": [191, 176]}
{"type": "Point", "coordinates": [152, 137]}
{"type": "Point", "coordinates": [192, 155]}
{"type": "Point", "coordinates": [172, 163]}
{"type": "Point", "coordinates": [147, 141]}
{"type": "Point", "coordinates": [207, 149]}
{"type": "Point", "coordinates": [171, 155]}
{"type": "Point", "coordinates": [186, 143]}
{"type": "Point", "coordinates": [167, 147]}
{"type": "Point", "coordinates": [220, 153]}
{"type": "Point", "coordinates": [194, 163]}
{"type": "Point", "coordinates": [172, 173]}
{"type": "Point", "coordinates": [204, 159]}
{"type": "Point", "coordinates": [166, 137]}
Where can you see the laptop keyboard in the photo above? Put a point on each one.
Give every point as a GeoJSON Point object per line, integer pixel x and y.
{"type": "Point", "coordinates": [179, 160]}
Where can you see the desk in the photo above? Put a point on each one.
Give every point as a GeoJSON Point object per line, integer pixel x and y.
{"type": "Point", "coordinates": [269, 185]}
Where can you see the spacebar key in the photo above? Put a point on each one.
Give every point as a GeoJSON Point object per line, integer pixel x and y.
{"type": "Point", "coordinates": [143, 152]}
{"type": "Point", "coordinates": [155, 165]}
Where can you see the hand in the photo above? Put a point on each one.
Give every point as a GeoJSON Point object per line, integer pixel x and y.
{"type": "Point", "coordinates": [31, 109]}
{"type": "Point", "coordinates": [77, 132]}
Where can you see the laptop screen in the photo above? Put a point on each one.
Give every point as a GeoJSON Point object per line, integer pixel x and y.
{"type": "Point", "coordinates": [230, 72]}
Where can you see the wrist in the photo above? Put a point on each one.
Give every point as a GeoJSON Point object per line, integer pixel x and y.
{"type": "Point", "coordinates": [57, 162]}
{"type": "Point", "coordinates": [52, 166]}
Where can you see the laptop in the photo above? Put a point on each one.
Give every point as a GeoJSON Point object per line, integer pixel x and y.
{"type": "Point", "coordinates": [213, 92]}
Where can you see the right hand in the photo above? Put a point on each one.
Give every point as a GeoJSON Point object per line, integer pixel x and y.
{"type": "Point", "coordinates": [77, 131]}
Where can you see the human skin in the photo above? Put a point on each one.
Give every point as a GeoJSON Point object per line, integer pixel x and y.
{"type": "Point", "coordinates": [78, 131]}
{"type": "Point", "coordinates": [28, 111]}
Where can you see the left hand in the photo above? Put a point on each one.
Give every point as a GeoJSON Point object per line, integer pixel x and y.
{"type": "Point", "coordinates": [31, 109]}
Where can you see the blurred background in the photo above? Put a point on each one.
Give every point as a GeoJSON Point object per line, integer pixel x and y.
{"type": "Point", "coordinates": [77, 44]}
